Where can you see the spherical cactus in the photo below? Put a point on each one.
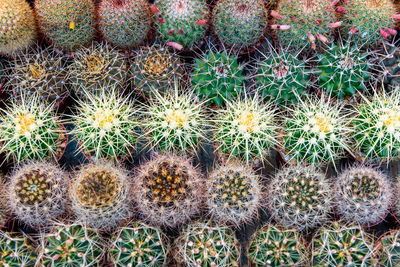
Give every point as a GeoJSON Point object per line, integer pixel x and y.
{"type": "Point", "coordinates": [234, 194]}
{"type": "Point", "coordinates": [202, 244]}
{"type": "Point", "coordinates": [277, 246]}
{"type": "Point", "coordinates": [68, 24]}
{"type": "Point", "coordinates": [156, 68]}
{"type": "Point", "coordinates": [97, 68]}
{"type": "Point", "coordinates": [301, 23]}
{"type": "Point", "coordinates": [71, 245]}
{"type": "Point", "coordinates": [376, 127]}
{"type": "Point", "coordinates": [99, 194]}
{"type": "Point", "coordinates": [37, 193]}
{"type": "Point", "coordinates": [16, 250]}
{"type": "Point", "coordinates": [315, 131]}
{"type": "Point", "coordinates": [105, 125]}
{"type": "Point", "coordinates": [183, 22]}
{"type": "Point", "coordinates": [246, 129]}
{"type": "Point", "coordinates": [18, 26]}
{"type": "Point", "coordinates": [124, 23]}
{"type": "Point", "coordinates": [300, 197]}
{"type": "Point", "coordinates": [339, 245]}
{"type": "Point", "coordinates": [168, 190]}
{"type": "Point", "coordinates": [363, 195]}
{"type": "Point", "coordinates": [389, 249]}
{"type": "Point", "coordinates": [139, 245]}
{"type": "Point", "coordinates": [240, 23]}
{"type": "Point", "coordinates": [31, 130]}
{"type": "Point", "coordinates": [175, 122]}
{"type": "Point", "coordinates": [40, 71]}
{"type": "Point", "coordinates": [217, 77]}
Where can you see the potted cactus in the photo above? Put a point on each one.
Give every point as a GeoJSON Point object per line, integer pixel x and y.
{"type": "Point", "coordinates": [17, 249]}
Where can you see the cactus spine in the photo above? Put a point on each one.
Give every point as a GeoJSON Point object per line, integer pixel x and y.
{"type": "Point", "coordinates": [389, 249]}
{"type": "Point", "coordinates": [16, 250]}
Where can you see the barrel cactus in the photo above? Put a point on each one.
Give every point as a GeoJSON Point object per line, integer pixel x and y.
{"type": "Point", "coordinates": [16, 249]}
{"type": "Point", "coordinates": [389, 249]}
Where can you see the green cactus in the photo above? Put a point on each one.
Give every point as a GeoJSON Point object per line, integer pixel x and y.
{"type": "Point", "coordinates": [181, 21]}
{"type": "Point", "coordinates": [124, 23]}
{"type": "Point", "coordinates": [16, 250]}
{"type": "Point", "coordinates": [217, 77]}
{"type": "Point", "coordinates": [389, 249]}
{"type": "Point", "coordinates": [18, 26]}
{"type": "Point", "coordinates": [139, 245]}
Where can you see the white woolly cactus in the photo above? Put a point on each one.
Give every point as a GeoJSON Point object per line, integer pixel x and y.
{"type": "Point", "coordinates": [246, 129]}
{"type": "Point", "coordinates": [37, 193]}
{"type": "Point", "coordinates": [300, 197]}
{"type": "Point", "coordinates": [388, 249]}
{"type": "Point", "coordinates": [363, 195]}
{"type": "Point", "coordinates": [234, 194]}
{"type": "Point", "coordinates": [105, 125]}
{"type": "Point", "coordinates": [99, 195]}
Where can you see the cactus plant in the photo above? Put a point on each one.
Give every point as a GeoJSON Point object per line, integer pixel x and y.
{"type": "Point", "coordinates": [139, 245]}
{"type": "Point", "coordinates": [389, 61]}
{"type": "Point", "coordinates": [30, 130]}
{"type": "Point", "coordinates": [217, 77]}
{"type": "Point", "coordinates": [183, 22]}
{"type": "Point", "coordinates": [16, 250]}
{"type": "Point", "coordinates": [124, 23]}
{"type": "Point", "coordinates": [156, 68]}
{"type": "Point", "coordinates": [340, 245]}
{"type": "Point", "coordinates": [40, 71]}
{"type": "Point", "coordinates": [70, 245]}
{"type": "Point", "coordinates": [389, 249]}
{"type": "Point", "coordinates": [68, 24]}
{"type": "Point", "coordinates": [98, 68]}
{"type": "Point", "coordinates": [300, 197]}
{"type": "Point", "coordinates": [18, 26]}
{"type": "Point", "coordinates": [168, 190]}
{"type": "Point", "coordinates": [277, 246]}
{"type": "Point", "coordinates": [234, 194]}
{"type": "Point", "coordinates": [245, 129]}
{"type": "Point", "coordinates": [37, 193]}
{"type": "Point", "coordinates": [105, 125]}
{"type": "Point", "coordinates": [202, 244]}
{"type": "Point", "coordinates": [5, 208]}
{"type": "Point", "coordinates": [99, 194]}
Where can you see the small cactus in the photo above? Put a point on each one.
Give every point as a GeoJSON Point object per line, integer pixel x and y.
{"type": "Point", "coordinates": [37, 193]}
{"type": "Point", "coordinates": [201, 244]}
{"type": "Point", "coordinates": [389, 249]}
{"type": "Point", "coordinates": [99, 195]}
{"type": "Point", "coordinates": [300, 197]}
{"type": "Point", "coordinates": [16, 250]}
{"type": "Point", "coordinates": [139, 245]}
{"type": "Point", "coordinates": [168, 190]}
{"type": "Point", "coordinates": [124, 23]}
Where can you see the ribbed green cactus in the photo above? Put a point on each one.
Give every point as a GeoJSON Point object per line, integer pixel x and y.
{"type": "Point", "coordinates": [389, 249]}
{"type": "Point", "coordinates": [18, 26]}
{"type": "Point", "coordinates": [181, 21]}
{"type": "Point", "coordinates": [240, 23]}
{"type": "Point", "coordinates": [70, 246]}
{"type": "Point", "coordinates": [124, 23]}
{"type": "Point", "coordinates": [139, 245]}
{"type": "Point", "coordinates": [217, 77]}
{"type": "Point", "coordinates": [277, 246]}
{"type": "Point", "coordinates": [68, 24]}
{"type": "Point", "coordinates": [16, 250]}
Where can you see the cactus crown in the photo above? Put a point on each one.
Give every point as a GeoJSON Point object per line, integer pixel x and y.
{"type": "Point", "coordinates": [389, 249]}
{"type": "Point", "coordinates": [16, 250]}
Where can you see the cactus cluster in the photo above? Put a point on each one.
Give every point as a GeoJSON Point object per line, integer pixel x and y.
{"type": "Point", "coordinates": [16, 250]}
{"type": "Point", "coordinates": [124, 23]}
{"type": "Point", "coordinates": [389, 249]}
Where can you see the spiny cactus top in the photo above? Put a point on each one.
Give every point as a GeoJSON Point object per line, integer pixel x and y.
{"type": "Point", "coordinates": [377, 127]}
{"type": "Point", "coordinates": [206, 245]}
{"type": "Point", "coordinates": [300, 197]}
{"type": "Point", "coordinates": [39, 71]}
{"type": "Point", "coordinates": [18, 26]}
{"type": "Point", "coordinates": [277, 246]}
{"type": "Point", "coordinates": [217, 77]}
{"type": "Point", "coordinates": [68, 24]}
{"type": "Point", "coordinates": [240, 23]}
{"type": "Point", "coordinates": [16, 250]}
{"type": "Point", "coordinates": [139, 245]}
{"type": "Point", "coordinates": [70, 246]}
{"type": "Point", "coordinates": [30, 130]}
{"type": "Point", "coordinates": [98, 68]}
{"type": "Point", "coordinates": [168, 190]}
{"type": "Point", "coordinates": [340, 245]}
{"type": "Point", "coordinates": [181, 21]}
{"type": "Point", "coordinates": [389, 249]}
{"type": "Point", "coordinates": [37, 193]}
{"type": "Point", "coordinates": [105, 125]}
{"type": "Point", "coordinates": [246, 129]}
{"type": "Point", "coordinates": [363, 195]}
{"type": "Point", "coordinates": [99, 195]}
{"type": "Point", "coordinates": [124, 23]}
